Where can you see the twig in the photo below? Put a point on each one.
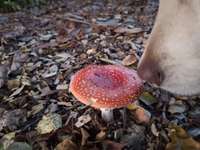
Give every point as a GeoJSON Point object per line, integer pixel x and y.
{"type": "Point", "coordinates": [109, 61]}
{"type": "Point", "coordinates": [77, 20]}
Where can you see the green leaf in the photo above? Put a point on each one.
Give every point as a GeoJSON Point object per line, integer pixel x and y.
{"type": "Point", "coordinates": [19, 146]}
{"type": "Point", "coordinates": [147, 98]}
{"type": "Point", "coordinates": [1, 147]}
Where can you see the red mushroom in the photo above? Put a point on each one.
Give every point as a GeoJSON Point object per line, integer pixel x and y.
{"type": "Point", "coordinates": [106, 87]}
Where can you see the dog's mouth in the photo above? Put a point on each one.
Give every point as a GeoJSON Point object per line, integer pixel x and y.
{"type": "Point", "coordinates": [184, 92]}
{"type": "Point", "coordinates": [180, 90]}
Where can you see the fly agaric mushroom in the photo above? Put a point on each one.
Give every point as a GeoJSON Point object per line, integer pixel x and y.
{"type": "Point", "coordinates": [106, 87]}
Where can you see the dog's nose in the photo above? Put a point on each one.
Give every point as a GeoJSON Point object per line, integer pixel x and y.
{"type": "Point", "coordinates": [150, 72]}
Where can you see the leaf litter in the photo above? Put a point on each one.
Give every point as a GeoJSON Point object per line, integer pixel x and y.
{"type": "Point", "coordinates": [42, 49]}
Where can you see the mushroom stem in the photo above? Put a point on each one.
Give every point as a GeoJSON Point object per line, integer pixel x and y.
{"type": "Point", "coordinates": [107, 114]}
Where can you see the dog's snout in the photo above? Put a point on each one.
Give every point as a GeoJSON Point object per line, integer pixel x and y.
{"type": "Point", "coordinates": [150, 72]}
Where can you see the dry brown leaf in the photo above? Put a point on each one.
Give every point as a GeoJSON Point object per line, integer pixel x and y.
{"type": "Point", "coordinates": [129, 60]}
{"type": "Point", "coordinates": [111, 145]}
{"type": "Point", "coordinates": [141, 115]}
{"type": "Point", "coordinates": [91, 51]}
{"type": "Point", "coordinates": [13, 84]}
{"type": "Point", "coordinates": [101, 135]}
{"type": "Point", "coordinates": [85, 136]}
{"type": "Point", "coordinates": [180, 140]}
{"type": "Point", "coordinates": [66, 145]}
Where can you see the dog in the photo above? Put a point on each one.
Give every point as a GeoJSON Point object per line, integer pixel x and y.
{"type": "Point", "coordinates": [171, 58]}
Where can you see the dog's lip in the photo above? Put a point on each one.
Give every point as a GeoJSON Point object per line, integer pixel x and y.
{"type": "Point", "coordinates": [176, 94]}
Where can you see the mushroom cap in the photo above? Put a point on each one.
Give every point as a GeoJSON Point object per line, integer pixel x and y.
{"type": "Point", "coordinates": [106, 86]}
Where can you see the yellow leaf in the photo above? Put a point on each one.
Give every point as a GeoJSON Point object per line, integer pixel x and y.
{"type": "Point", "coordinates": [180, 140]}
{"type": "Point", "coordinates": [132, 106]}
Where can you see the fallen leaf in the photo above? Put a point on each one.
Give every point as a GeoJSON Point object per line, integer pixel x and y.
{"type": "Point", "coordinates": [111, 145]}
{"type": "Point", "coordinates": [19, 146]}
{"type": "Point", "coordinates": [13, 119]}
{"type": "Point", "coordinates": [132, 106]}
{"type": "Point", "coordinates": [135, 139]}
{"type": "Point", "coordinates": [66, 145]}
{"type": "Point", "coordinates": [63, 86]}
{"type": "Point", "coordinates": [177, 107]}
{"type": "Point", "coordinates": [13, 84]}
{"type": "Point", "coordinates": [147, 98]}
{"type": "Point", "coordinates": [180, 140]}
{"type": "Point", "coordinates": [62, 57]}
{"type": "Point", "coordinates": [35, 109]}
{"type": "Point", "coordinates": [3, 74]}
{"type": "Point", "coordinates": [194, 132]}
{"type": "Point", "coordinates": [154, 130]}
{"type": "Point", "coordinates": [106, 22]}
{"type": "Point", "coordinates": [109, 61]}
{"type": "Point", "coordinates": [49, 123]}
{"type": "Point", "coordinates": [85, 136]}
{"type": "Point", "coordinates": [118, 134]}
{"type": "Point", "coordinates": [7, 139]}
{"type": "Point", "coordinates": [66, 104]}
{"type": "Point", "coordinates": [129, 60]}
{"type": "Point", "coordinates": [91, 51]}
{"type": "Point", "coordinates": [82, 120]}
{"type": "Point", "coordinates": [18, 91]}
{"type": "Point", "coordinates": [132, 44]}
{"type": "Point", "coordinates": [72, 115]}
{"type": "Point", "coordinates": [14, 31]}
{"type": "Point", "coordinates": [45, 91]}
{"type": "Point", "coordinates": [52, 71]}
{"type": "Point", "coordinates": [46, 37]}
{"type": "Point", "coordinates": [128, 30]}
{"type": "Point", "coordinates": [101, 135]}
{"type": "Point", "coordinates": [195, 112]}
{"type": "Point", "coordinates": [142, 116]}
{"type": "Point", "coordinates": [18, 59]}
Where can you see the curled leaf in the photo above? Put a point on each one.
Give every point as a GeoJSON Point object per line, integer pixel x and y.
{"type": "Point", "coordinates": [85, 136]}
{"type": "Point", "coordinates": [66, 145]}
{"type": "Point", "coordinates": [180, 140]}
{"type": "Point", "coordinates": [129, 60]}
{"type": "Point", "coordinates": [82, 120]}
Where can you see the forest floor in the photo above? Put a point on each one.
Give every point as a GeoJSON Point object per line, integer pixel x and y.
{"type": "Point", "coordinates": [42, 48]}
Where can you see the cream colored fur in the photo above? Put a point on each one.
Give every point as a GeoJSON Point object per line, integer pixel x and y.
{"type": "Point", "coordinates": [175, 43]}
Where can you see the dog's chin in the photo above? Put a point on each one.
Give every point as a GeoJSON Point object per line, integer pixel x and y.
{"type": "Point", "coordinates": [181, 90]}
{"type": "Point", "coordinates": [178, 90]}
